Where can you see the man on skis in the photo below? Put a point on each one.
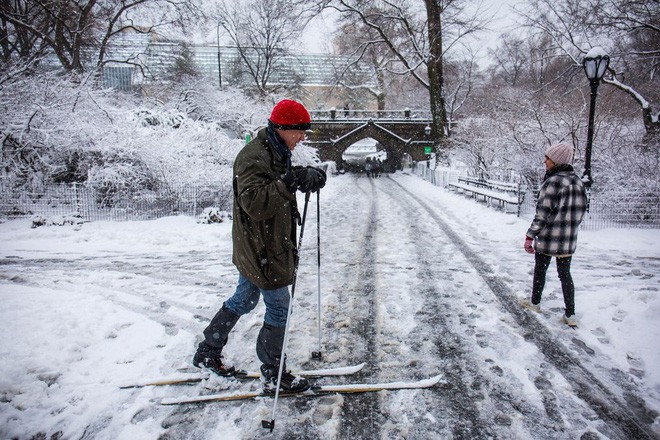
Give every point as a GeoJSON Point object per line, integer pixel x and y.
{"type": "Point", "coordinates": [264, 242]}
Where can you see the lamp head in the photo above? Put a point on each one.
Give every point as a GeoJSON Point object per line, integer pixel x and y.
{"type": "Point", "coordinates": [595, 63]}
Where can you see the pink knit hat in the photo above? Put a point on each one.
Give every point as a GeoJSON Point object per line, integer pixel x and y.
{"type": "Point", "coordinates": [560, 153]}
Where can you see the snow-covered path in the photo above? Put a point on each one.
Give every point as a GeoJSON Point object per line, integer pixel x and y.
{"type": "Point", "coordinates": [415, 282]}
{"type": "Point", "coordinates": [465, 323]}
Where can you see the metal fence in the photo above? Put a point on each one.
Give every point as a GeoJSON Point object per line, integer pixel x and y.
{"type": "Point", "coordinates": [612, 209]}
{"type": "Point", "coordinates": [92, 204]}
{"type": "Point", "coordinates": [615, 209]}
{"type": "Point", "coordinates": [607, 210]}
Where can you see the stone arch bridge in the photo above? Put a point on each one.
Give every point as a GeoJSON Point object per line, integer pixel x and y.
{"type": "Point", "coordinates": [397, 132]}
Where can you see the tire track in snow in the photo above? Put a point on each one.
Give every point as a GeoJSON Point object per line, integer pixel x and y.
{"type": "Point", "coordinates": [457, 397]}
{"type": "Point", "coordinates": [360, 411]}
{"type": "Point", "coordinates": [354, 333]}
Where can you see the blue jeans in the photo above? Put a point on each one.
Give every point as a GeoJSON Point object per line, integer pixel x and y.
{"type": "Point", "coordinates": [246, 298]}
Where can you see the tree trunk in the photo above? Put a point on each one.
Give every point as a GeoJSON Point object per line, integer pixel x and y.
{"type": "Point", "coordinates": [380, 97]}
{"type": "Point", "coordinates": [435, 71]}
{"type": "Point", "coordinates": [651, 139]}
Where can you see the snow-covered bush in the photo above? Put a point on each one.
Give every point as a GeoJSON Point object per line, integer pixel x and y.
{"type": "Point", "coordinates": [149, 118]}
{"type": "Point", "coordinates": [213, 214]}
{"type": "Point", "coordinates": [57, 130]}
{"type": "Point", "coordinates": [58, 220]}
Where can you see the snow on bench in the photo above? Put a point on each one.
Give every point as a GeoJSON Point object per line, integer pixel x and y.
{"type": "Point", "coordinates": [489, 191]}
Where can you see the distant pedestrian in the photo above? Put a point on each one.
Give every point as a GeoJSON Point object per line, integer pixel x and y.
{"type": "Point", "coordinates": [376, 166]}
{"type": "Point", "coordinates": [264, 241]}
{"type": "Point", "coordinates": [560, 208]}
{"type": "Point", "coordinates": [368, 167]}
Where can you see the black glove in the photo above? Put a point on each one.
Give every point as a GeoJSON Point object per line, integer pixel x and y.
{"type": "Point", "coordinates": [290, 181]}
{"type": "Point", "coordinates": [310, 179]}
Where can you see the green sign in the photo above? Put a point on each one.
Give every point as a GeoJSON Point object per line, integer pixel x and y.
{"type": "Point", "coordinates": [427, 150]}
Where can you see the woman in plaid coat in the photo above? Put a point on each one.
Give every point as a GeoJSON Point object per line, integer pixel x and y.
{"type": "Point", "coordinates": [561, 206]}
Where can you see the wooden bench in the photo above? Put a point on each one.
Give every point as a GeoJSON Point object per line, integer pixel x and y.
{"type": "Point", "coordinates": [504, 193]}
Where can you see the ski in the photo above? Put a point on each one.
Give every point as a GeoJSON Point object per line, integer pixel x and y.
{"type": "Point", "coordinates": [187, 378]}
{"type": "Point", "coordinates": [321, 390]}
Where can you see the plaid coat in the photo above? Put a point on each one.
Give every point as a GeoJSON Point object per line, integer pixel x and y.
{"type": "Point", "coordinates": [560, 208]}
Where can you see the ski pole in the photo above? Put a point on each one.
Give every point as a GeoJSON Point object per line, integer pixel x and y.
{"type": "Point", "coordinates": [318, 354]}
{"type": "Point", "coordinates": [266, 423]}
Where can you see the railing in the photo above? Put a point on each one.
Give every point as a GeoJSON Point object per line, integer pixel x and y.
{"type": "Point", "coordinates": [91, 204]}
{"type": "Point", "coordinates": [505, 193]}
{"type": "Point", "coordinates": [614, 209]}
{"type": "Point", "coordinates": [491, 184]}
{"type": "Point", "coordinates": [364, 115]}
{"type": "Point", "coordinates": [607, 210]}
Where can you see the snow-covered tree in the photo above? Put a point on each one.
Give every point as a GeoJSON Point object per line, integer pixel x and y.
{"type": "Point", "coordinates": [56, 130]}
{"type": "Point", "coordinates": [263, 32]}
{"type": "Point", "coordinates": [419, 37]}
{"type": "Point", "coordinates": [628, 29]}
{"type": "Point", "coordinates": [78, 32]}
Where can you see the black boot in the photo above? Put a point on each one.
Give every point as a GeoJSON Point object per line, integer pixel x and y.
{"type": "Point", "coordinates": [290, 383]}
{"type": "Point", "coordinates": [217, 331]}
{"type": "Point", "coordinates": [209, 351]}
{"type": "Point", "coordinates": [269, 350]}
{"type": "Point", "coordinates": [211, 358]}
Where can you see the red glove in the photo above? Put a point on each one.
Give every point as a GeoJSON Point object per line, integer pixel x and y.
{"type": "Point", "coordinates": [529, 244]}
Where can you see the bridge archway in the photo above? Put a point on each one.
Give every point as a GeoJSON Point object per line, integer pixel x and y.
{"type": "Point", "coordinates": [394, 145]}
{"type": "Point", "coordinates": [397, 136]}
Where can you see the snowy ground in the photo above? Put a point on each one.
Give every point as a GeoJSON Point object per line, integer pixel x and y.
{"type": "Point", "coordinates": [416, 281]}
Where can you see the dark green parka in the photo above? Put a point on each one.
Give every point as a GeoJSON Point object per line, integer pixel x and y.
{"type": "Point", "coordinates": [265, 211]}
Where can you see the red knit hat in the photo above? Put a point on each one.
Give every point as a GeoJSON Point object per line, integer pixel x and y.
{"type": "Point", "coordinates": [290, 115]}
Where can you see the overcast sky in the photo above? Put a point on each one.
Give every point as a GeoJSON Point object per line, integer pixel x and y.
{"type": "Point", "coordinates": [318, 34]}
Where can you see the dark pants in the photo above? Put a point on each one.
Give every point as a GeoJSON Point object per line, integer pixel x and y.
{"type": "Point", "coordinates": [564, 271]}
